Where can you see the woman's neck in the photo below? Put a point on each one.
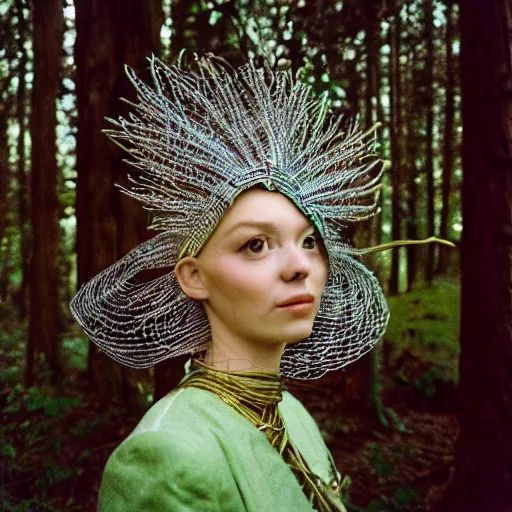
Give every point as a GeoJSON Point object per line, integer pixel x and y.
{"type": "Point", "coordinates": [235, 355]}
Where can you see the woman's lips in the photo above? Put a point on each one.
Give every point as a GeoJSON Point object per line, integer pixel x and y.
{"type": "Point", "coordinates": [298, 307]}
{"type": "Point", "coordinates": [301, 298]}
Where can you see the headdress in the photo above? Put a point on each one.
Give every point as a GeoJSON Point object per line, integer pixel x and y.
{"type": "Point", "coordinates": [197, 140]}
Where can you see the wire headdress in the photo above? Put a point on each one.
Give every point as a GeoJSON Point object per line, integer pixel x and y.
{"type": "Point", "coordinates": [197, 140]}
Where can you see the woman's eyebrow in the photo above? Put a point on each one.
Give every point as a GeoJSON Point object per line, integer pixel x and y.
{"type": "Point", "coordinates": [269, 226]}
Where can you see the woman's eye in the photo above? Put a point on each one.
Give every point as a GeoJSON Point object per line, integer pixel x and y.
{"type": "Point", "coordinates": [255, 244]}
{"type": "Point", "coordinates": [312, 240]}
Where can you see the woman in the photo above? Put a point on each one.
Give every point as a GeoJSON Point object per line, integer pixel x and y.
{"type": "Point", "coordinates": [252, 183]}
{"type": "Point", "coordinates": [193, 451]}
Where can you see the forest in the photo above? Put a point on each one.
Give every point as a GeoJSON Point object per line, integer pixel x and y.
{"type": "Point", "coordinates": [424, 421]}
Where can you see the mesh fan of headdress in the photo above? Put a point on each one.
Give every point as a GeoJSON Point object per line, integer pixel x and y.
{"type": "Point", "coordinates": [197, 140]}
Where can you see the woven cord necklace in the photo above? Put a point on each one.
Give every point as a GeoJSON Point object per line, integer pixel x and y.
{"type": "Point", "coordinates": [256, 395]}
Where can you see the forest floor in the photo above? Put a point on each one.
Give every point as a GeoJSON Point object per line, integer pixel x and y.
{"type": "Point", "coordinates": [55, 442]}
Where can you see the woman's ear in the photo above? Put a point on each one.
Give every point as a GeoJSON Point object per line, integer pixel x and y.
{"type": "Point", "coordinates": [187, 274]}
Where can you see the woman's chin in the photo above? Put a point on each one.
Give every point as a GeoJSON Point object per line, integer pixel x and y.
{"type": "Point", "coordinates": [295, 335]}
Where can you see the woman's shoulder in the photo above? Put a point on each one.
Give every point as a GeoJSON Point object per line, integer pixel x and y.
{"type": "Point", "coordinates": [184, 407]}
{"type": "Point", "coordinates": [154, 470]}
{"type": "Point", "coordinates": [166, 462]}
{"type": "Point", "coordinates": [176, 424]}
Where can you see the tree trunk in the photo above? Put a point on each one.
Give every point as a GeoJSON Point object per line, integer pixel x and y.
{"type": "Point", "coordinates": [368, 366]}
{"type": "Point", "coordinates": [448, 141]}
{"type": "Point", "coordinates": [372, 40]}
{"type": "Point", "coordinates": [5, 270]}
{"type": "Point", "coordinates": [411, 144]}
{"type": "Point", "coordinates": [5, 173]}
{"type": "Point", "coordinates": [483, 457]}
{"type": "Point", "coordinates": [96, 67]}
{"type": "Point", "coordinates": [372, 35]}
{"type": "Point", "coordinates": [5, 183]}
{"type": "Point", "coordinates": [44, 274]}
{"type": "Point", "coordinates": [179, 12]}
{"type": "Point", "coordinates": [396, 175]}
{"type": "Point", "coordinates": [109, 34]}
{"type": "Point", "coordinates": [429, 150]}
{"type": "Point", "coordinates": [6, 200]}
{"type": "Point", "coordinates": [23, 192]}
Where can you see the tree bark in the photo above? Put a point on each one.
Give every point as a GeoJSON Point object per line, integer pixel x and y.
{"type": "Point", "coordinates": [5, 172]}
{"type": "Point", "coordinates": [110, 33]}
{"type": "Point", "coordinates": [179, 12]}
{"type": "Point", "coordinates": [396, 175]}
{"type": "Point", "coordinates": [411, 144]}
{"type": "Point", "coordinates": [448, 141]}
{"type": "Point", "coordinates": [372, 40]}
{"type": "Point", "coordinates": [429, 150]}
{"type": "Point", "coordinates": [44, 274]}
{"type": "Point", "coordinates": [368, 366]}
{"type": "Point", "coordinates": [5, 270]}
{"type": "Point", "coordinates": [10, 46]}
{"type": "Point", "coordinates": [5, 181]}
{"type": "Point", "coordinates": [483, 457]}
{"type": "Point", "coordinates": [23, 192]}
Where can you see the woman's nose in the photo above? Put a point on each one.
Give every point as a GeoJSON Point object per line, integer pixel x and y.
{"type": "Point", "coordinates": [296, 262]}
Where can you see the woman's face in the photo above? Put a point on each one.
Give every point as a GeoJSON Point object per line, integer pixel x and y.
{"type": "Point", "coordinates": [263, 252]}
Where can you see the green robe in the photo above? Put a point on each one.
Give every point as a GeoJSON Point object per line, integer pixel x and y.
{"type": "Point", "coordinates": [193, 452]}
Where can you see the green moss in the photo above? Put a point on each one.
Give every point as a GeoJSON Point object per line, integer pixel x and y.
{"type": "Point", "coordinates": [426, 323]}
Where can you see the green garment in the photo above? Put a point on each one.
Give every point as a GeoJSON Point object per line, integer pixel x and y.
{"type": "Point", "coordinates": [193, 452]}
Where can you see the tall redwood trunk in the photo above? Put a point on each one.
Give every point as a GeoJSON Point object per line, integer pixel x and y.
{"type": "Point", "coordinates": [482, 479]}
{"type": "Point", "coordinates": [429, 143]}
{"type": "Point", "coordinates": [395, 126]}
{"type": "Point", "coordinates": [411, 146]}
{"type": "Point", "coordinates": [372, 40]}
{"type": "Point", "coordinates": [44, 273]}
{"type": "Point", "coordinates": [5, 179]}
{"type": "Point", "coordinates": [448, 140]}
{"type": "Point", "coordinates": [110, 33]}
{"type": "Point", "coordinates": [21, 171]}
{"type": "Point", "coordinates": [180, 10]}
{"type": "Point", "coordinates": [366, 370]}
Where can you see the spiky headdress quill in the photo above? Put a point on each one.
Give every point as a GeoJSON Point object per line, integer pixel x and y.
{"type": "Point", "coordinates": [197, 140]}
